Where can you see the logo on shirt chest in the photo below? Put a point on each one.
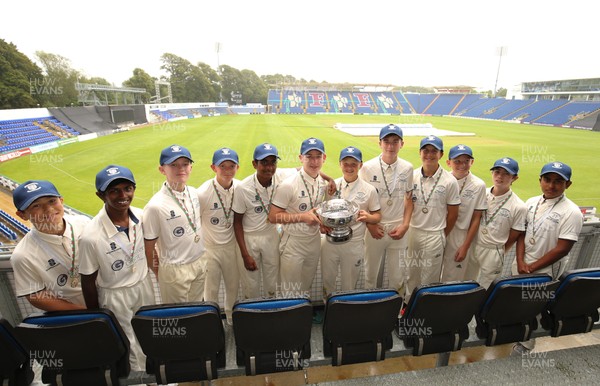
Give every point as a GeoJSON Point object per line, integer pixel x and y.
{"type": "Point", "coordinates": [173, 215]}
{"type": "Point", "coordinates": [117, 265]}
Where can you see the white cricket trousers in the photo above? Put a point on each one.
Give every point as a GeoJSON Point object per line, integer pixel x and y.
{"type": "Point", "coordinates": [299, 261]}
{"type": "Point", "coordinates": [424, 257]}
{"type": "Point", "coordinates": [181, 283]}
{"type": "Point", "coordinates": [222, 260]}
{"type": "Point", "coordinates": [124, 303]}
{"type": "Point", "coordinates": [394, 251]}
{"type": "Point", "coordinates": [264, 248]}
{"type": "Point", "coordinates": [347, 257]}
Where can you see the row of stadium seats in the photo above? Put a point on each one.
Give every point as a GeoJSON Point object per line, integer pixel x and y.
{"type": "Point", "coordinates": [18, 134]}
{"type": "Point", "coordinates": [188, 342]}
{"type": "Point", "coordinates": [14, 222]}
{"type": "Point", "coordinates": [7, 232]}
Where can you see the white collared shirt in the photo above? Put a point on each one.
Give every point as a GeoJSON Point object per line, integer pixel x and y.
{"type": "Point", "coordinates": [109, 251]}
{"type": "Point", "coordinates": [217, 222]}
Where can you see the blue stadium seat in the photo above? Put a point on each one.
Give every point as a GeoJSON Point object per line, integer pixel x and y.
{"type": "Point", "coordinates": [437, 316]}
{"type": "Point", "coordinates": [358, 325]}
{"type": "Point", "coordinates": [15, 366]}
{"type": "Point", "coordinates": [574, 308]}
{"type": "Point", "coordinates": [183, 342]}
{"type": "Point", "coordinates": [509, 312]}
{"type": "Point", "coordinates": [83, 347]}
{"type": "Point", "coordinates": [272, 335]}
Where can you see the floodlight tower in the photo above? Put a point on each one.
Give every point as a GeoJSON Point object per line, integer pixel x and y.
{"type": "Point", "coordinates": [500, 51]}
{"type": "Point", "coordinates": [218, 48]}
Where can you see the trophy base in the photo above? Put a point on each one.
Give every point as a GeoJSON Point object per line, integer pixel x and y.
{"type": "Point", "coordinates": [337, 238]}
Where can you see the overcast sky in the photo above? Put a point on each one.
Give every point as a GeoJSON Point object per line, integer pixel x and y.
{"type": "Point", "coordinates": [417, 42]}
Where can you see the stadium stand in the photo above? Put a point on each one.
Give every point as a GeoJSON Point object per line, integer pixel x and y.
{"type": "Point", "coordinates": [487, 106]}
{"type": "Point", "coordinates": [21, 133]}
{"type": "Point", "coordinates": [420, 102]}
{"type": "Point", "coordinates": [443, 104]}
{"type": "Point", "coordinates": [569, 112]}
{"type": "Point", "coordinates": [535, 110]}
{"type": "Point", "coordinates": [19, 226]}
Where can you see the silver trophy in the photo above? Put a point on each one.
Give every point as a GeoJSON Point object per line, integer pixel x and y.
{"type": "Point", "coordinates": [338, 214]}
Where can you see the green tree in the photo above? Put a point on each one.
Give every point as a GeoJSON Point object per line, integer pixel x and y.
{"type": "Point", "coordinates": [59, 84]}
{"type": "Point", "coordinates": [141, 79]}
{"type": "Point", "coordinates": [19, 77]}
{"type": "Point", "coordinates": [189, 83]}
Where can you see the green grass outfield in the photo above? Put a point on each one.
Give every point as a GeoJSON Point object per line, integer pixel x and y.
{"type": "Point", "coordinates": [73, 167]}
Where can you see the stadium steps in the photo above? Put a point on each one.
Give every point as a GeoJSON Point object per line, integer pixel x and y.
{"type": "Point", "coordinates": [430, 104]}
{"type": "Point", "coordinates": [517, 110]}
{"type": "Point", "coordinates": [584, 117]}
{"type": "Point", "coordinates": [549, 112]}
{"type": "Point", "coordinates": [374, 104]}
{"type": "Point", "coordinates": [400, 109]}
{"type": "Point", "coordinates": [458, 104]}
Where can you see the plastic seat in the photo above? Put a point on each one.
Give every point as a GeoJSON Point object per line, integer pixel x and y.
{"type": "Point", "coordinates": [183, 342]}
{"type": "Point", "coordinates": [15, 366]}
{"type": "Point", "coordinates": [83, 347]}
{"type": "Point", "coordinates": [358, 325]}
{"type": "Point", "coordinates": [574, 308]}
{"type": "Point", "coordinates": [437, 316]}
{"type": "Point", "coordinates": [510, 309]}
{"type": "Point", "coordinates": [272, 334]}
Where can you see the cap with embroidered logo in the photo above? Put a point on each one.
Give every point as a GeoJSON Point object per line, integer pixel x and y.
{"type": "Point", "coordinates": [29, 191]}
{"type": "Point", "coordinates": [312, 144]}
{"type": "Point", "coordinates": [172, 153]}
{"type": "Point", "coordinates": [433, 141]}
{"type": "Point", "coordinates": [112, 173]}
{"type": "Point", "coordinates": [459, 150]}
{"type": "Point", "coordinates": [390, 129]}
{"type": "Point", "coordinates": [351, 152]}
{"type": "Point", "coordinates": [508, 164]}
{"type": "Point", "coordinates": [265, 150]}
{"type": "Point", "coordinates": [224, 154]}
{"type": "Point", "coordinates": [559, 168]}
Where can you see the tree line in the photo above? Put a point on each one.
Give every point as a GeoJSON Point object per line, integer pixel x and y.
{"type": "Point", "coordinates": [25, 84]}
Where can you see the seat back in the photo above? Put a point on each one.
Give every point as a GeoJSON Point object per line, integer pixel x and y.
{"type": "Point", "coordinates": [574, 308]}
{"type": "Point", "coordinates": [83, 347]}
{"type": "Point", "coordinates": [358, 325]}
{"type": "Point", "coordinates": [272, 334]}
{"type": "Point", "coordinates": [160, 329]}
{"type": "Point", "coordinates": [437, 316]}
{"type": "Point", "coordinates": [15, 366]}
{"type": "Point", "coordinates": [509, 311]}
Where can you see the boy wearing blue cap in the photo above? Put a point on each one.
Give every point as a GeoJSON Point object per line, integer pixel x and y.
{"type": "Point", "coordinates": [553, 224]}
{"type": "Point", "coordinates": [294, 205]}
{"type": "Point", "coordinates": [222, 253]}
{"type": "Point", "coordinates": [500, 225]}
{"type": "Point", "coordinates": [436, 201]}
{"type": "Point", "coordinates": [256, 236]}
{"type": "Point", "coordinates": [348, 257]}
{"type": "Point", "coordinates": [172, 231]}
{"type": "Point", "coordinates": [114, 271]}
{"type": "Point", "coordinates": [46, 261]}
{"type": "Point", "coordinates": [473, 203]}
{"type": "Point", "coordinates": [392, 178]}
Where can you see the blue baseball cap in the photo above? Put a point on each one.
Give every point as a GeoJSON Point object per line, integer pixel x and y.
{"type": "Point", "coordinates": [508, 164]}
{"type": "Point", "coordinates": [312, 144]}
{"type": "Point", "coordinates": [224, 154]}
{"type": "Point", "coordinates": [172, 153]}
{"type": "Point", "coordinates": [459, 150]}
{"type": "Point", "coordinates": [351, 151]}
{"type": "Point", "coordinates": [265, 150]}
{"type": "Point", "coordinates": [112, 173]}
{"type": "Point", "coordinates": [559, 168]}
{"type": "Point", "coordinates": [31, 190]}
{"type": "Point", "coordinates": [433, 141]}
{"type": "Point", "coordinates": [390, 129]}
